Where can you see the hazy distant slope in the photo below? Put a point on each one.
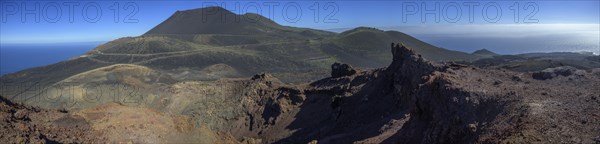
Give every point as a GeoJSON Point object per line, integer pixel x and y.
{"type": "Point", "coordinates": [538, 61]}
{"type": "Point", "coordinates": [484, 53]}
{"type": "Point", "coordinates": [373, 43]}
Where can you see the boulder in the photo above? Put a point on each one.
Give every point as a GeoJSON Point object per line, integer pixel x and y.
{"type": "Point", "coordinates": [550, 73]}
{"type": "Point", "coordinates": [262, 76]}
{"type": "Point", "coordinates": [267, 79]}
{"type": "Point", "coordinates": [340, 70]}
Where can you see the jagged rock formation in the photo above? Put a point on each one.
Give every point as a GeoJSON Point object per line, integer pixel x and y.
{"type": "Point", "coordinates": [416, 101]}
{"type": "Point", "coordinates": [340, 70]}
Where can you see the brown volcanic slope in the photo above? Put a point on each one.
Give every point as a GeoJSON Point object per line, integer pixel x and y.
{"type": "Point", "coordinates": [109, 123]}
{"type": "Point", "coordinates": [24, 124]}
{"type": "Point", "coordinates": [410, 101]}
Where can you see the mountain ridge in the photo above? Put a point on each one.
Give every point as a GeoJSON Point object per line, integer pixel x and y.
{"type": "Point", "coordinates": [294, 55]}
{"type": "Point", "coordinates": [214, 20]}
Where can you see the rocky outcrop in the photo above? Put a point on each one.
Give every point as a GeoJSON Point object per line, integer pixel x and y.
{"type": "Point", "coordinates": [25, 124]}
{"type": "Point", "coordinates": [408, 70]}
{"type": "Point", "coordinates": [340, 70]}
{"type": "Point", "coordinates": [452, 103]}
{"type": "Point", "coordinates": [439, 114]}
{"type": "Point", "coordinates": [550, 73]}
{"type": "Point", "coordinates": [409, 101]}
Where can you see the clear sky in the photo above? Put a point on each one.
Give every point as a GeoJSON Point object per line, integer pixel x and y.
{"type": "Point", "coordinates": [79, 21]}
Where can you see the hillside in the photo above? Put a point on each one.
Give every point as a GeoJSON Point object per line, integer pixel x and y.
{"type": "Point", "coordinates": [371, 44]}
{"type": "Point", "coordinates": [109, 123]}
{"type": "Point", "coordinates": [411, 100]}
{"type": "Point", "coordinates": [190, 41]}
{"type": "Point", "coordinates": [537, 61]}
{"type": "Point", "coordinates": [484, 53]}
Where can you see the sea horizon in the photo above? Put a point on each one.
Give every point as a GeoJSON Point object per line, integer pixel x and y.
{"type": "Point", "coordinates": [15, 57]}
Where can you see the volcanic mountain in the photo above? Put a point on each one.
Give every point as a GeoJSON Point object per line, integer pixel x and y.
{"type": "Point", "coordinates": [189, 42]}
{"type": "Point", "coordinates": [217, 20]}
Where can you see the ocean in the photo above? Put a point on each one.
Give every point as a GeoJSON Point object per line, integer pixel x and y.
{"type": "Point", "coordinates": [509, 45]}
{"type": "Point", "coordinates": [509, 38]}
{"type": "Point", "coordinates": [17, 57]}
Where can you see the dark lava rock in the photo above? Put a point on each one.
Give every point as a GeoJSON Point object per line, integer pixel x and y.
{"type": "Point", "coordinates": [497, 82]}
{"type": "Point", "coordinates": [517, 78]}
{"type": "Point", "coordinates": [21, 114]}
{"type": "Point", "coordinates": [261, 76]}
{"type": "Point", "coordinates": [267, 79]}
{"type": "Point", "coordinates": [550, 73]}
{"type": "Point", "coordinates": [340, 70]}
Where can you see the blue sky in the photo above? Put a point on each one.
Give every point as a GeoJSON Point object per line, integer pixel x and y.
{"type": "Point", "coordinates": [67, 26]}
